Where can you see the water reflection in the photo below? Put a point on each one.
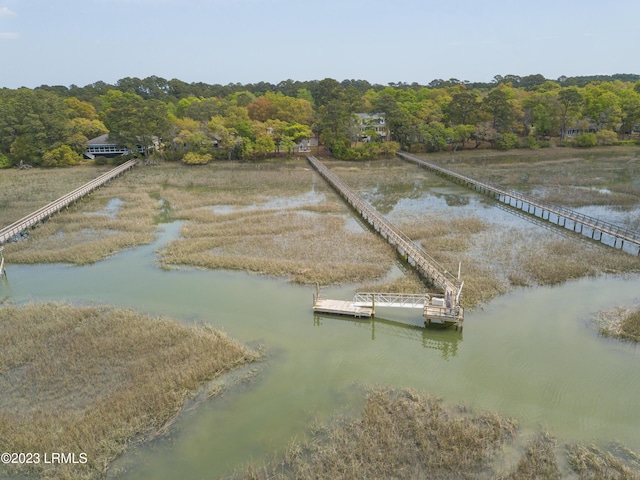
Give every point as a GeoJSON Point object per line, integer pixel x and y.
{"type": "Point", "coordinates": [436, 338]}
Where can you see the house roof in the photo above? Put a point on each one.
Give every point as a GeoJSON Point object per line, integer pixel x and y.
{"type": "Point", "coordinates": [101, 140]}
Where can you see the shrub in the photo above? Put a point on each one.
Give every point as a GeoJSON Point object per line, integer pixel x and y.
{"type": "Point", "coordinates": [193, 158]}
{"type": "Point", "coordinates": [506, 141]}
{"type": "Point", "coordinates": [4, 161]}
{"type": "Point", "coordinates": [585, 140]}
{"type": "Point", "coordinates": [531, 143]}
{"type": "Point", "coordinates": [607, 137]}
{"type": "Point", "coordinates": [62, 156]}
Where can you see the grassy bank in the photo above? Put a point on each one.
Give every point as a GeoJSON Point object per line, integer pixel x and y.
{"type": "Point", "coordinates": [406, 435]}
{"type": "Point", "coordinates": [93, 379]}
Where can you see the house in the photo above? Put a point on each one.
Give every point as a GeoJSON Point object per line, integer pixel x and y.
{"type": "Point", "coordinates": [101, 146]}
{"type": "Point", "coordinates": [366, 123]}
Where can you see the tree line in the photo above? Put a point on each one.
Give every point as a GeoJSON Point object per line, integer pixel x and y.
{"type": "Point", "coordinates": [50, 125]}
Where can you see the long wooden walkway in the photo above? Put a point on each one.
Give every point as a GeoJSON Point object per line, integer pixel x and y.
{"type": "Point", "coordinates": [16, 228]}
{"type": "Point", "coordinates": [423, 262]}
{"type": "Point", "coordinates": [598, 230]}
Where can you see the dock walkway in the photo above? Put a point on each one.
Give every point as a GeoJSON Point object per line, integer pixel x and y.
{"type": "Point", "coordinates": [16, 228]}
{"type": "Point", "coordinates": [598, 230]}
{"type": "Point", "coordinates": [450, 309]}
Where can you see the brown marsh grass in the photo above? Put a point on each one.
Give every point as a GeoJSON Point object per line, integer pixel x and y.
{"type": "Point", "coordinates": [93, 379]}
{"type": "Point", "coordinates": [621, 322]}
{"type": "Point", "coordinates": [497, 257]}
{"type": "Point", "coordinates": [563, 176]}
{"type": "Point", "coordinates": [280, 218]}
{"type": "Point", "coordinates": [86, 232]}
{"type": "Point", "coordinates": [24, 191]}
{"type": "Point", "coordinates": [274, 218]}
{"type": "Point", "coordinates": [400, 434]}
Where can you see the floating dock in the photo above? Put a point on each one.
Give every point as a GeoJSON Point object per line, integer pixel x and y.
{"type": "Point", "coordinates": [342, 307]}
{"type": "Point", "coordinates": [363, 305]}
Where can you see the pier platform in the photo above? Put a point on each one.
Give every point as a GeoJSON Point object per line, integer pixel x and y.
{"type": "Point", "coordinates": [341, 307]}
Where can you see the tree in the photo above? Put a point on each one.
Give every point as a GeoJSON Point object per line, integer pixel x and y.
{"type": "Point", "coordinates": [133, 121]}
{"type": "Point", "coordinates": [435, 136]}
{"type": "Point", "coordinates": [31, 122]}
{"type": "Point", "coordinates": [463, 109]}
{"type": "Point", "coordinates": [601, 106]}
{"type": "Point", "coordinates": [261, 109]}
{"type": "Point", "coordinates": [499, 104]}
{"type": "Point", "coordinates": [569, 100]}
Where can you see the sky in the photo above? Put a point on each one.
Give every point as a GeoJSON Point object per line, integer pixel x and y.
{"type": "Point", "coordinates": [79, 42]}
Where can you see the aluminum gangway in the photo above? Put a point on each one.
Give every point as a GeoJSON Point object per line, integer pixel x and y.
{"type": "Point", "coordinates": [596, 229]}
{"type": "Point", "coordinates": [16, 228]}
{"type": "Point", "coordinates": [450, 311]}
{"type": "Point", "coordinates": [394, 300]}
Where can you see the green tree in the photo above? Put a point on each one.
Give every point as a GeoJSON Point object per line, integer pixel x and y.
{"type": "Point", "coordinates": [133, 121]}
{"type": "Point", "coordinates": [601, 106]}
{"type": "Point", "coordinates": [31, 122]}
{"type": "Point", "coordinates": [463, 109]}
{"type": "Point", "coordinates": [569, 100]}
{"type": "Point", "coordinates": [500, 105]}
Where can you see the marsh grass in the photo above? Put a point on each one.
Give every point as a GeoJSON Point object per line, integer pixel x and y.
{"type": "Point", "coordinates": [563, 176]}
{"type": "Point", "coordinates": [278, 219]}
{"type": "Point", "coordinates": [538, 461]}
{"type": "Point", "coordinates": [94, 379]}
{"type": "Point", "coordinates": [85, 232]}
{"type": "Point", "coordinates": [621, 322]}
{"type": "Point", "coordinates": [24, 191]}
{"type": "Point", "coordinates": [590, 462]}
{"type": "Point", "coordinates": [400, 434]}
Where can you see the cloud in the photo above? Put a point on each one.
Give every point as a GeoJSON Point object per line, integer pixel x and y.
{"type": "Point", "coordinates": [5, 12]}
{"type": "Point", "coordinates": [8, 35]}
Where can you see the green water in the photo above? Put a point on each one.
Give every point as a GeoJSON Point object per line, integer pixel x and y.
{"type": "Point", "coordinates": [532, 355]}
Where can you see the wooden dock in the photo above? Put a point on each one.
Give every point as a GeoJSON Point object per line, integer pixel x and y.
{"type": "Point", "coordinates": [421, 260]}
{"type": "Point", "coordinates": [593, 228]}
{"type": "Point", "coordinates": [16, 228]}
{"type": "Point", "coordinates": [342, 307]}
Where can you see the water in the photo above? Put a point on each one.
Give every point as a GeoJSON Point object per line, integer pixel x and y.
{"type": "Point", "coordinates": [531, 354]}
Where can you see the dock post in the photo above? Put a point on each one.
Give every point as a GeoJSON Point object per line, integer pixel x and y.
{"type": "Point", "coordinates": [3, 272]}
